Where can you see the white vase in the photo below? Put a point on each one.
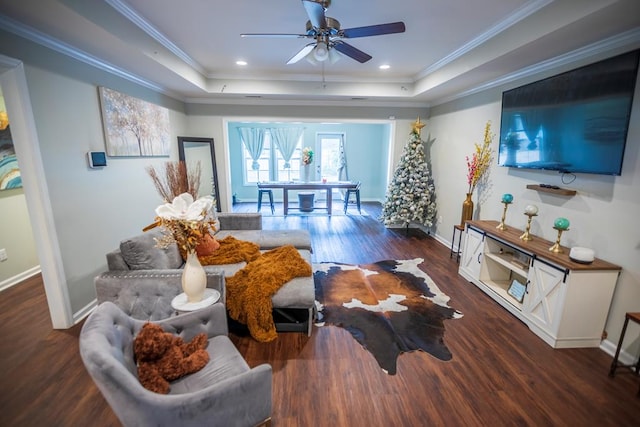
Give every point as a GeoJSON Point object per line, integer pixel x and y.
{"type": "Point", "coordinates": [306, 173]}
{"type": "Point", "coordinates": [194, 279]}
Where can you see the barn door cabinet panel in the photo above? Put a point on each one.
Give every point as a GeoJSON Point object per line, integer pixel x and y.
{"type": "Point", "coordinates": [472, 254]}
{"type": "Point", "coordinates": [545, 298]}
{"type": "Point", "coordinates": [563, 302]}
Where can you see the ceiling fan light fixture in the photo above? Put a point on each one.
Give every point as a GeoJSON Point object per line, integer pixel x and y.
{"type": "Point", "coordinates": [334, 56]}
{"type": "Point", "coordinates": [321, 52]}
{"type": "Point", "coordinates": [328, 35]}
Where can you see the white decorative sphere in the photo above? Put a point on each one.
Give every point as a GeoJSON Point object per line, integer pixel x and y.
{"type": "Point", "coordinates": [531, 210]}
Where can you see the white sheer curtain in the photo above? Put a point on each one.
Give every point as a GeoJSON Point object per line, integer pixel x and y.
{"type": "Point", "coordinates": [253, 139]}
{"type": "Point", "coordinates": [286, 139]}
{"type": "Point", "coordinates": [343, 174]}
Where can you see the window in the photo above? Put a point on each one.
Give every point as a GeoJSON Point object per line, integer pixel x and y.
{"type": "Point", "coordinates": [271, 164]}
{"type": "Point", "coordinates": [252, 176]}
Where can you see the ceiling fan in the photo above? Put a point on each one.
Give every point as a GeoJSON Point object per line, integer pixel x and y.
{"type": "Point", "coordinates": [328, 36]}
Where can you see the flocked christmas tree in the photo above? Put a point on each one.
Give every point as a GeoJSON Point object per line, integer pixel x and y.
{"type": "Point", "coordinates": [411, 193]}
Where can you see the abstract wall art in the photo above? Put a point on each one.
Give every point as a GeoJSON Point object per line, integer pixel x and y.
{"type": "Point", "coordinates": [9, 171]}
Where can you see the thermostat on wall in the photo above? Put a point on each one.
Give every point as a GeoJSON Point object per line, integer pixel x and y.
{"type": "Point", "coordinates": [97, 159]}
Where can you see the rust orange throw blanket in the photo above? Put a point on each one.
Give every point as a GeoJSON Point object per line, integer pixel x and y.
{"type": "Point", "coordinates": [249, 291]}
{"type": "Point", "coordinates": [231, 251]}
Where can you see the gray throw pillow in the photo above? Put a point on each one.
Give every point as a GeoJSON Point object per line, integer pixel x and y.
{"type": "Point", "coordinates": [142, 253]}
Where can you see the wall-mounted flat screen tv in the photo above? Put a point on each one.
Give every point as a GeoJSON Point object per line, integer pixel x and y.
{"type": "Point", "coordinates": [574, 122]}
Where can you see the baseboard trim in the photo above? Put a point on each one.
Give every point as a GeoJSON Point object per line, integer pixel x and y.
{"type": "Point", "coordinates": [442, 240]}
{"type": "Point", "coordinates": [624, 357]}
{"type": "Point", "coordinates": [78, 316]}
{"type": "Point", "coordinates": [11, 281]}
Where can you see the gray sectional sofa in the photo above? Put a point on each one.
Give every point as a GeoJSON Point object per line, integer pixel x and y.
{"type": "Point", "coordinates": [142, 279]}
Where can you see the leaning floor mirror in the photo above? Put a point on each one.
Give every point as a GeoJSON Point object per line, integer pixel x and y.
{"type": "Point", "coordinates": [192, 150]}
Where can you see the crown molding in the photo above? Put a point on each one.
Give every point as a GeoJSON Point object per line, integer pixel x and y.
{"type": "Point", "coordinates": [52, 43]}
{"type": "Point", "coordinates": [7, 62]}
{"type": "Point", "coordinates": [627, 40]}
{"type": "Point", "coordinates": [132, 15]}
{"type": "Point", "coordinates": [520, 14]}
{"type": "Point", "coordinates": [312, 78]}
{"type": "Point", "coordinates": [258, 101]}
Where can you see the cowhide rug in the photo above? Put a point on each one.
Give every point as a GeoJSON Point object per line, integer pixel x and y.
{"type": "Point", "coordinates": [390, 307]}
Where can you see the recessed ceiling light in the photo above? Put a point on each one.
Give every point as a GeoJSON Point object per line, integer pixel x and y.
{"type": "Point", "coordinates": [385, 66]}
{"type": "Point", "coordinates": [241, 62]}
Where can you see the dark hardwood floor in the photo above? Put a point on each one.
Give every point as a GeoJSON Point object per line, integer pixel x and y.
{"type": "Point", "coordinates": [501, 373]}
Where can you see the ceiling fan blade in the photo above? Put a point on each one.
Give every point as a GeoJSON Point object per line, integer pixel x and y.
{"type": "Point", "coordinates": [315, 11]}
{"type": "Point", "coordinates": [351, 51]}
{"type": "Point", "coordinates": [275, 35]}
{"type": "Point", "coordinates": [373, 30]}
{"type": "Point", "coordinates": [303, 52]}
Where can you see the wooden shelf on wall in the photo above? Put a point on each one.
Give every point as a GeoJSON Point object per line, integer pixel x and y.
{"type": "Point", "coordinates": [559, 191]}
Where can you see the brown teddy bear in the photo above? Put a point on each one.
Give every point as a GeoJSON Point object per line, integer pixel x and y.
{"type": "Point", "coordinates": [162, 357]}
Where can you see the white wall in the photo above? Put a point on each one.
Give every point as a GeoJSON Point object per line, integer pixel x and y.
{"type": "Point", "coordinates": [212, 127]}
{"type": "Point", "coordinates": [16, 237]}
{"type": "Point", "coordinates": [93, 208]}
{"type": "Point", "coordinates": [603, 214]}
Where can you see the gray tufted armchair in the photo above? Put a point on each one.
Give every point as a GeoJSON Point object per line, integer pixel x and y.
{"type": "Point", "coordinates": [147, 294]}
{"type": "Point", "coordinates": [226, 392]}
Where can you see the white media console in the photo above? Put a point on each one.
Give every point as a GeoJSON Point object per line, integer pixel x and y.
{"type": "Point", "coordinates": [563, 302]}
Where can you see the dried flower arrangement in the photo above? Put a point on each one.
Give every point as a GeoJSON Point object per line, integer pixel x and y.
{"type": "Point", "coordinates": [176, 180]}
{"type": "Point", "coordinates": [187, 221]}
{"type": "Point", "coordinates": [480, 161]}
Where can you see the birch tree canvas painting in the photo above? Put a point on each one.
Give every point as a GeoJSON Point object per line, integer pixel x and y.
{"type": "Point", "coordinates": [133, 127]}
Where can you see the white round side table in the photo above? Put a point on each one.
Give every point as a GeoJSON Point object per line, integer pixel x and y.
{"type": "Point", "coordinates": [180, 302]}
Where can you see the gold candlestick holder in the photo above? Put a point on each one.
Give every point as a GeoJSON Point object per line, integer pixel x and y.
{"type": "Point", "coordinates": [556, 249]}
{"type": "Point", "coordinates": [526, 236]}
{"type": "Point", "coordinates": [502, 226]}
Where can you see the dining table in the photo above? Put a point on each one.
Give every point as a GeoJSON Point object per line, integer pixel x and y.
{"type": "Point", "coordinates": [287, 186]}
